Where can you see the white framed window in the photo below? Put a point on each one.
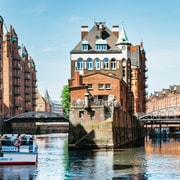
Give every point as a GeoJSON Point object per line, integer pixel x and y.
{"type": "Point", "coordinates": [113, 64]}
{"type": "Point", "coordinates": [100, 86]}
{"type": "Point", "coordinates": [108, 86]}
{"type": "Point", "coordinates": [106, 63]}
{"type": "Point", "coordinates": [90, 86]}
{"type": "Point", "coordinates": [89, 63]}
{"type": "Point", "coordinates": [101, 47]}
{"type": "Point", "coordinates": [85, 47]}
{"type": "Point", "coordinates": [97, 64]}
{"type": "Point", "coordinates": [80, 63]}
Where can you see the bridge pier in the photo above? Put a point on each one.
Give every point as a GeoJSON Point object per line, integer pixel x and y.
{"type": "Point", "coordinates": [160, 127]}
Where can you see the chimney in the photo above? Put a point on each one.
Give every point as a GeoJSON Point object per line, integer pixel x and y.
{"type": "Point", "coordinates": [84, 31]}
{"type": "Point", "coordinates": [115, 30]}
{"type": "Point", "coordinates": [76, 78]}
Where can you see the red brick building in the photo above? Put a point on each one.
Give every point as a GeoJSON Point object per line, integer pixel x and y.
{"type": "Point", "coordinates": [18, 82]}
{"type": "Point", "coordinates": [107, 72]}
{"type": "Point", "coordinates": [169, 97]}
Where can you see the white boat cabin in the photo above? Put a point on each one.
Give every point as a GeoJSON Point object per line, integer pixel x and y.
{"type": "Point", "coordinates": [18, 143]}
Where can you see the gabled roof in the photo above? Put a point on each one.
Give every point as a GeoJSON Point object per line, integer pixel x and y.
{"type": "Point", "coordinates": [47, 97]}
{"type": "Point", "coordinates": [97, 35]}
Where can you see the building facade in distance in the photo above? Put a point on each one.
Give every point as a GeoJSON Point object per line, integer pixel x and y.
{"type": "Point", "coordinates": [46, 104]}
{"type": "Point", "coordinates": [169, 97]}
{"type": "Point", "coordinates": [57, 108]}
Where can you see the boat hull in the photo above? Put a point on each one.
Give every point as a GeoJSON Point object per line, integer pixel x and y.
{"type": "Point", "coordinates": [8, 158]}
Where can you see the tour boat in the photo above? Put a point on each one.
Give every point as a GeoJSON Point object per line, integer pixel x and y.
{"type": "Point", "coordinates": [18, 149]}
{"type": "Point", "coordinates": [177, 134]}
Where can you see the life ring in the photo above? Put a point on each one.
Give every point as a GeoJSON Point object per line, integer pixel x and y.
{"type": "Point", "coordinates": [17, 142]}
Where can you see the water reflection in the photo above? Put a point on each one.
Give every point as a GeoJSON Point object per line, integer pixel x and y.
{"type": "Point", "coordinates": [132, 177]}
{"type": "Point", "coordinates": [18, 172]}
{"type": "Point", "coordinates": [157, 159]}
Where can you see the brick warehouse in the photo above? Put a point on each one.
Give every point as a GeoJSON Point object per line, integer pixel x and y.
{"type": "Point", "coordinates": [17, 75]}
{"type": "Point", "coordinates": [107, 88]}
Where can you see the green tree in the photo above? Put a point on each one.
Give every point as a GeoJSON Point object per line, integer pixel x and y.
{"type": "Point", "coordinates": [65, 100]}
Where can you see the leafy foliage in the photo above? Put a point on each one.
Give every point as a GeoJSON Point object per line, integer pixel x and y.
{"type": "Point", "coordinates": [65, 100]}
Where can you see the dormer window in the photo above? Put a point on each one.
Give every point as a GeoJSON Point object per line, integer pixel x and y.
{"type": "Point", "coordinates": [85, 46]}
{"type": "Point", "coordinates": [101, 45]}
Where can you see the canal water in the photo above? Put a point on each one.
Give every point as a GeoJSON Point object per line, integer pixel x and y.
{"type": "Point", "coordinates": [155, 160]}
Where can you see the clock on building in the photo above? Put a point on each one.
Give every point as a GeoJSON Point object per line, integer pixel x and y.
{"type": "Point", "coordinates": [123, 48]}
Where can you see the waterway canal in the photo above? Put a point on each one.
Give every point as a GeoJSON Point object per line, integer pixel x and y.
{"type": "Point", "coordinates": [154, 161]}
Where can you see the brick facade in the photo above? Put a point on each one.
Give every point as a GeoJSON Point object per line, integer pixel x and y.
{"type": "Point", "coordinates": [18, 74]}
{"type": "Point", "coordinates": [102, 84]}
{"type": "Point", "coordinates": [169, 97]}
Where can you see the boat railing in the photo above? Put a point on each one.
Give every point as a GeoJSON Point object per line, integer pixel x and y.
{"type": "Point", "coordinates": [17, 144]}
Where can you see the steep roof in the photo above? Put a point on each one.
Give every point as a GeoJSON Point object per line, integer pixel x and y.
{"type": "Point", "coordinates": [123, 39]}
{"type": "Point", "coordinates": [47, 97]}
{"type": "Point", "coordinates": [97, 35]}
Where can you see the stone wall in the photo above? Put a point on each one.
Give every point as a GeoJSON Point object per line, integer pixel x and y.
{"type": "Point", "coordinates": [118, 130]}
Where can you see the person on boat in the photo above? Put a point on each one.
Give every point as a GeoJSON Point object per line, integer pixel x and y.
{"type": "Point", "coordinates": [6, 141]}
{"type": "Point", "coordinates": [12, 139]}
{"type": "Point", "coordinates": [24, 139]}
{"type": "Point", "coordinates": [31, 140]}
{"type": "Point", "coordinates": [31, 143]}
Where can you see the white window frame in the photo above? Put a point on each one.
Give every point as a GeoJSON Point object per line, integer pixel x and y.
{"type": "Point", "coordinates": [113, 64]}
{"type": "Point", "coordinates": [106, 63]}
{"type": "Point", "coordinates": [97, 64]}
{"type": "Point", "coordinates": [90, 86]}
{"type": "Point", "coordinates": [107, 86]}
{"type": "Point", "coordinates": [80, 64]}
{"type": "Point", "coordinates": [100, 86]}
{"type": "Point", "coordinates": [89, 64]}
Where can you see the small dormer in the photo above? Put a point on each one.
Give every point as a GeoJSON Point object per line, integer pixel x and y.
{"type": "Point", "coordinates": [85, 45]}
{"type": "Point", "coordinates": [101, 45]}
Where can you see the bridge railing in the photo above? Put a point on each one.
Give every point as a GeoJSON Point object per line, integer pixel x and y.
{"type": "Point", "coordinates": [163, 113]}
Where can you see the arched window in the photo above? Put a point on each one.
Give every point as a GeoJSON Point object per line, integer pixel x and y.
{"type": "Point", "coordinates": [89, 64]}
{"type": "Point", "coordinates": [113, 64]}
{"type": "Point", "coordinates": [106, 63]}
{"type": "Point", "coordinates": [96, 64]}
{"type": "Point", "coordinates": [80, 63]}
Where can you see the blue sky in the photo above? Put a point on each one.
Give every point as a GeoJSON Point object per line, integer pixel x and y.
{"type": "Point", "coordinates": [50, 29]}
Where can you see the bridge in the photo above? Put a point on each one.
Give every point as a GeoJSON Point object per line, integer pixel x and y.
{"type": "Point", "coordinates": [168, 115]}
{"type": "Point", "coordinates": [36, 122]}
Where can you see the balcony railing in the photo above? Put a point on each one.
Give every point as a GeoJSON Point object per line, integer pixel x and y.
{"type": "Point", "coordinates": [96, 103]}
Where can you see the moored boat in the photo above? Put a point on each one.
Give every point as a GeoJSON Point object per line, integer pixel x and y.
{"type": "Point", "coordinates": [157, 133]}
{"type": "Point", "coordinates": [176, 134]}
{"type": "Point", "coordinates": [18, 149]}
